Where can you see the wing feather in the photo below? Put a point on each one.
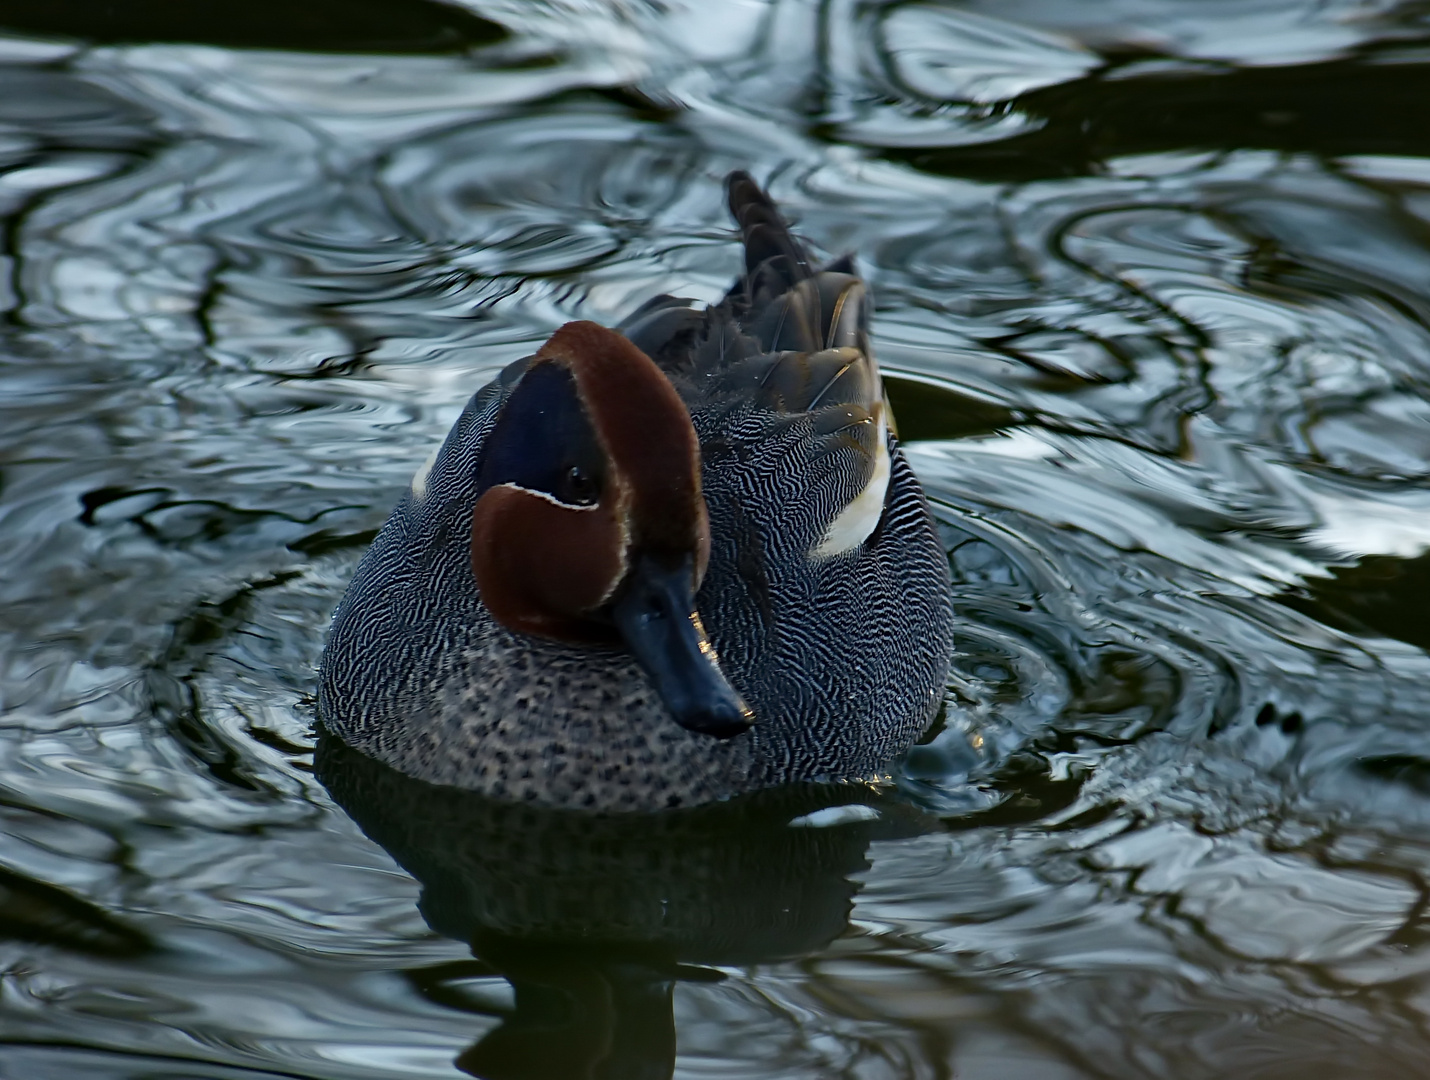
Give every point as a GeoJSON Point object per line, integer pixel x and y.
{"type": "Point", "coordinates": [791, 339]}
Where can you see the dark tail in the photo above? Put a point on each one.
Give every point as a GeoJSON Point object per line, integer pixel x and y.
{"type": "Point", "coordinates": [770, 251]}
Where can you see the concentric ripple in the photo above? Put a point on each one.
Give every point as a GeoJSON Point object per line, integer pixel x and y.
{"type": "Point", "coordinates": [1153, 286]}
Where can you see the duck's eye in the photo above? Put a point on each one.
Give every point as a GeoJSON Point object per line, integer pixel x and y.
{"type": "Point", "coordinates": [580, 487]}
{"type": "Point", "coordinates": [543, 441]}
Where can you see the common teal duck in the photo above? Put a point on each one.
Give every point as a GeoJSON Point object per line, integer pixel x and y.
{"type": "Point", "coordinates": [658, 565]}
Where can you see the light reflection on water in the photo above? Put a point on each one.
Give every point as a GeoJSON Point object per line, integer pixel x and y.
{"type": "Point", "coordinates": [1153, 280]}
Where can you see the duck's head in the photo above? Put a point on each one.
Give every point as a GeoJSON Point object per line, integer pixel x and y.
{"type": "Point", "coordinates": [590, 526]}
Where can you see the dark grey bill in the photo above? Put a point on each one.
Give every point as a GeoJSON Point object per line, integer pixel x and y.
{"type": "Point", "coordinates": [655, 613]}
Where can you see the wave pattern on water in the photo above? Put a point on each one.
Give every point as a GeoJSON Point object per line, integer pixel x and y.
{"type": "Point", "coordinates": [1154, 301]}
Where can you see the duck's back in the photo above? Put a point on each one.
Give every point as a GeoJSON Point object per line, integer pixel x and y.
{"type": "Point", "coordinates": [828, 590]}
{"type": "Point", "coordinates": [826, 597]}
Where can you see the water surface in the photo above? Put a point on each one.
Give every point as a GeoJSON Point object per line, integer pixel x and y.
{"type": "Point", "coordinates": [1153, 284]}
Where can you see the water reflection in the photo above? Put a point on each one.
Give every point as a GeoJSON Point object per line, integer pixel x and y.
{"type": "Point", "coordinates": [1154, 298]}
{"type": "Point", "coordinates": [593, 920]}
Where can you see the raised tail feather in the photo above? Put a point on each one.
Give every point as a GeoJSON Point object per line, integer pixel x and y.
{"type": "Point", "coordinates": [787, 304]}
{"type": "Point", "coordinates": [800, 332]}
{"type": "Point", "coordinates": [770, 250]}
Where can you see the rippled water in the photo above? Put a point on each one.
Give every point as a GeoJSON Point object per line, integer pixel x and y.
{"type": "Point", "coordinates": [1154, 301]}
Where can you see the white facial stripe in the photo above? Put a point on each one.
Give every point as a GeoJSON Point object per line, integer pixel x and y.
{"type": "Point", "coordinates": [856, 521]}
{"type": "Point", "coordinates": [419, 478]}
{"type": "Point", "coordinates": [552, 499]}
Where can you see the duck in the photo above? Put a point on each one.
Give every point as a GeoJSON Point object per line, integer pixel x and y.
{"type": "Point", "coordinates": [659, 564]}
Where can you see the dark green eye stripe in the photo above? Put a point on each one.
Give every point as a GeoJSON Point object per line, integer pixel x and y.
{"type": "Point", "coordinates": [544, 441]}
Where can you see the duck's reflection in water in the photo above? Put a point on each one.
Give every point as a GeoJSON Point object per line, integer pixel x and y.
{"type": "Point", "coordinates": [594, 919]}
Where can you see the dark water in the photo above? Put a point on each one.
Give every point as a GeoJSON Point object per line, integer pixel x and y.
{"type": "Point", "coordinates": [1154, 301]}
